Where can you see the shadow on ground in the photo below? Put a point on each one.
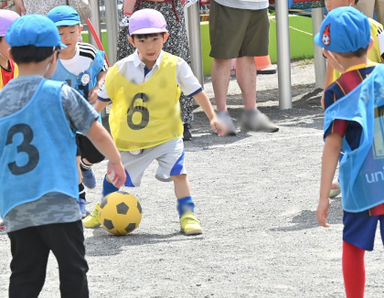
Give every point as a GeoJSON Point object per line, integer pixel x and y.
{"type": "Point", "coordinates": [101, 243]}
{"type": "Point", "coordinates": [306, 219]}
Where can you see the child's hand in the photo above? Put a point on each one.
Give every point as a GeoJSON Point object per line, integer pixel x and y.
{"type": "Point", "coordinates": [116, 174]}
{"type": "Point", "coordinates": [92, 95]}
{"type": "Point", "coordinates": [322, 212]}
{"type": "Point", "coordinates": [218, 127]}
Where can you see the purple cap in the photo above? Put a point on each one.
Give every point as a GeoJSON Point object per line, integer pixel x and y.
{"type": "Point", "coordinates": [7, 17]}
{"type": "Point", "coordinates": [147, 21]}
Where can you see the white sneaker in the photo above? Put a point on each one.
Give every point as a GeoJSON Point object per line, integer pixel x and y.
{"type": "Point", "coordinates": [257, 121]}
{"type": "Point", "coordinates": [227, 122]}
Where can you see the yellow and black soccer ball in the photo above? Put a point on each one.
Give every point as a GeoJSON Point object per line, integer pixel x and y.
{"type": "Point", "coordinates": [120, 213]}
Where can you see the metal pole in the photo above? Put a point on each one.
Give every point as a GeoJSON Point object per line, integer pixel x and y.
{"type": "Point", "coordinates": [193, 24]}
{"type": "Point", "coordinates": [320, 64]}
{"type": "Point", "coordinates": [283, 55]}
{"type": "Point", "coordinates": [95, 19]}
{"type": "Point", "coordinates": [112, 23]}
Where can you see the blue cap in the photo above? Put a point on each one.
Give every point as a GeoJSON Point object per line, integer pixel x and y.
{"type": "Point", "coordinates": [33, 29]}
{"type": "Point", "coordinates": [64, 15]}
{"type": "Point", "coordinates": [345, 29]}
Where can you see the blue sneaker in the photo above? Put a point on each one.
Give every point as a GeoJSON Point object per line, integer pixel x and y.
{"type": "Point", "coordinates": [83, 211]}
{"type": "Point", "coordinates": [89, 179]}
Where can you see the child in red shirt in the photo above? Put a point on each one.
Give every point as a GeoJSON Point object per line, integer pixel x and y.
{"type": "Point", "coordinates": [7, 66]}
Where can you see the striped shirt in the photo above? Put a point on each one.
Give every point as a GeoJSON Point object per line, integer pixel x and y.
{"type": "Point", "coordinates": [85, 54]}
{"type": "Point", "coordinates": [342, 86]}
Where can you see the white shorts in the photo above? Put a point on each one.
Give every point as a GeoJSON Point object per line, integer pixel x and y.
{"type": "Point", "coordinates": [170, 157]}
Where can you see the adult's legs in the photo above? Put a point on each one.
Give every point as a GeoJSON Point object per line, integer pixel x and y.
{"type": "Point", "coordinates": [220, 80]}
{"type": "Point", "coordinates": [252, 119]}
{"type": "Point", "coordinates": [246, 78]}
{"type": "Point", "coordinates": [28, 265]}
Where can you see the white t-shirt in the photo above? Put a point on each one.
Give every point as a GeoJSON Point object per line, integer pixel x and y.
{"type": "Point", "coordinates": [133, 69]}
{"type": "Point", "coordinates": [85, 54]}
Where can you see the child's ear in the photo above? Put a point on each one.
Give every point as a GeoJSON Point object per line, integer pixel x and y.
{"type": "Point", "coordinates": [10, 54]}
{"type": "Point", "coordinates": [166, 35]}
{"type": "Point", "coordinates": [370, 44]}
{"type": "Point", "coordinates": [80, 28]}
{"type": "Point", "coordinates": [130, 39]}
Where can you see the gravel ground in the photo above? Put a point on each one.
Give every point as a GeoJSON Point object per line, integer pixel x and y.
{"type": "Point", "coordinates": [256, 195]}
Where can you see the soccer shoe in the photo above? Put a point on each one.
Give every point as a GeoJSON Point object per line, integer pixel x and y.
{"type": "Point", "coordinates": [92, 220]}
{"type": "Point", "coordinates": [190, 225]}
{"type": "Point", "coordinates": [257, 121]}
{"type": "Point", "coordinates": [227, 122]}
{"type": "Point", "coordinates": [89, 179]}
{"type": "Point", "coordinates": [335, 191]}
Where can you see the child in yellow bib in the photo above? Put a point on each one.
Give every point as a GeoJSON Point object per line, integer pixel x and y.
{"type": "Point", "coordinates": [140, 123]}
{"type": "Point", "coordinates": [144, 89]}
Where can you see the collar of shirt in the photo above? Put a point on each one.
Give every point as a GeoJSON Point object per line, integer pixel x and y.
{"type": "Point", "coordinates": [362, 65]}
{"type": "Point", "coordinates": [140, 64]}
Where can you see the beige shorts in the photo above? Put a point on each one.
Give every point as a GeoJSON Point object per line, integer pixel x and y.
{"type": "Point", "coordinates": [238, 32]}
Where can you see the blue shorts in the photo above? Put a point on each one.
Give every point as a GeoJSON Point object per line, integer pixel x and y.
{"type": "Point", "coordinates": [360, 229]}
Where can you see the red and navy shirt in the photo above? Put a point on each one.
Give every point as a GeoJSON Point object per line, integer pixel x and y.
{"type": "Point", "coordinates": [342, 86]}
{"type": "Point", "coordinates": [349, 129]}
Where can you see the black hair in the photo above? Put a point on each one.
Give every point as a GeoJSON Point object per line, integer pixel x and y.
{"type": "Point", "coordinates": [27, 54]}
{"type": "Point", "coordinates": [69, 25]}
{"type": "Point", "coordinates": [145, 36]}
{"type": "Point", "coordinates": [359, 53]}
{"type": "Point", "coordinates": [356, 1]}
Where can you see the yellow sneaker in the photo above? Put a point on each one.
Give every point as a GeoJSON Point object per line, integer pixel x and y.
{"type": "Point", "coordinates": [92, 220]}
{"type": "Point", "coordinates": [190, 225]}
{"type": "Point", "coordinates": [335, 190]}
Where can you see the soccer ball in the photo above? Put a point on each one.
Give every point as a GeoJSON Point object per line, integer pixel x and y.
{"type": "Point", "coordinates": [120, 213]}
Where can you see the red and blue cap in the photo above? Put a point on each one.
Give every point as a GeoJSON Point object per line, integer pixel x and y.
{"type": "Point", "coordinates": [345, 29]}
{"type": "Point", "coordinates": [33, 29]}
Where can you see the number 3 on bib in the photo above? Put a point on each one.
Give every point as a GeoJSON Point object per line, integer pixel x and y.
{"type": "Point", "coordinates": [134, 113]}
{"type": "Point", "coordinates": [25, 146]}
